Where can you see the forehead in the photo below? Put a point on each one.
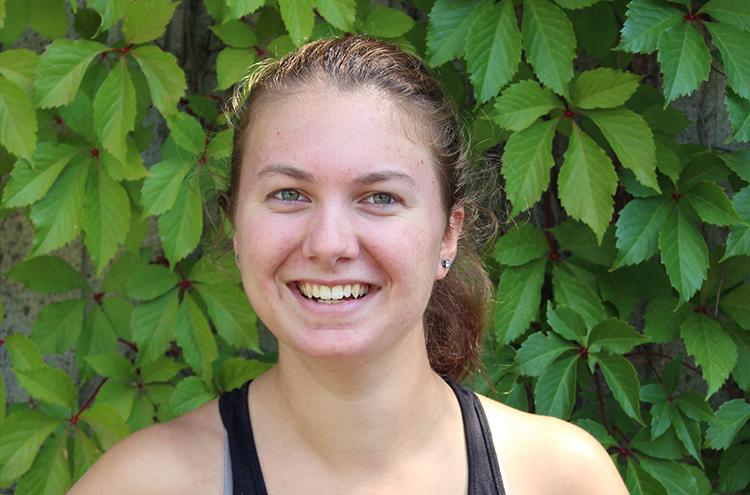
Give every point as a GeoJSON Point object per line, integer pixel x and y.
{"type": "Point", "coordinates": [335, 134]}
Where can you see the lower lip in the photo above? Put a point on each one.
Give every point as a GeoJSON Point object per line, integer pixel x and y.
{"type": "Point", "coordinates": [344, 307]}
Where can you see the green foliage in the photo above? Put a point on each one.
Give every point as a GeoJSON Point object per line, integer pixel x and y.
{"type": "Point", "coordinates": [623, 301]}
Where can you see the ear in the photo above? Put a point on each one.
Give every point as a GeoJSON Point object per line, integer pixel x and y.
{"type": "Point", "coordinates": [449, 243]}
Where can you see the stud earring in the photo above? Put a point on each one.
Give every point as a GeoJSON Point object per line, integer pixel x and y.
{"type": "Point", "coordinates": [446, 263]}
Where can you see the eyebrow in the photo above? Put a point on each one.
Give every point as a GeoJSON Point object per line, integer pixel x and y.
{"type": "Point", "coordinates": [304, 176]}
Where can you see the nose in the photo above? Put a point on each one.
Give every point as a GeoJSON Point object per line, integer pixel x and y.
{"type": "Point", "coordinates": [331, 236]}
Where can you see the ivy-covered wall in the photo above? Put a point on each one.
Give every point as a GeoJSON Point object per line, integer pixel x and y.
{"type": "Point", "coordinates": [623, 299]}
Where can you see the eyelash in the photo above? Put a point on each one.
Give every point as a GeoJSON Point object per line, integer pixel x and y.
{"type": "Point", "coordinates": [395, 200]}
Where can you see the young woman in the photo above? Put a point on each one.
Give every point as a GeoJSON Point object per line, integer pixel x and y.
{"type": "Point", "coordinates": [352, 213]}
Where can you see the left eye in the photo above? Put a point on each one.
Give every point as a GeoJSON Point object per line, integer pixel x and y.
{"type": "Point", "coordinates": [287, 195]}
{"type": "Point", "coordinates": [381, 198]}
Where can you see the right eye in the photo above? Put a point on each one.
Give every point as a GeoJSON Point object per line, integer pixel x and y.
{"type": "Point", "coordinates": [287, 195]}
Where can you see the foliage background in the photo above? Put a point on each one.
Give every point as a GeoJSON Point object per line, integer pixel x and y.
{"type": "Point", "coordinates": [623, 299]}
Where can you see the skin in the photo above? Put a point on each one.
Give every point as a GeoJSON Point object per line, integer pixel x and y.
{"type": "Point", "coordinates": [352, 406]}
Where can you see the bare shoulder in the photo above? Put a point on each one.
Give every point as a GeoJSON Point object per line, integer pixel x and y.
{"type": "Point", "coordinates": [545, 455]}
{"type": "Point", "coordinates": [184, 455]}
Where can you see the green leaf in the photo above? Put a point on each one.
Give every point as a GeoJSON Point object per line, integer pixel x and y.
{"type": "Point", "coordinates": [232, 64]}
{"type": "Point", "coordinates": [23, 354]}
{"type": "Point", "coordinates": [58, 325]}
{"type": "Point", "coordinates": [181, 227]}
{"type": "Point", "coordinates": [694, 406]}
{"type": "Point", "coordinates": [575, 4]}
{"type": "Point", "coordinates": [106, 217]}
{"type": "Point", "coordinates": [730, 417]}
{"type": "Point", "coordinates": [598, 431]}
{"type": "Point", "coordinates": [162, 186]}
{"type": "Point", "coordinates": [638, 228]}
{"type": "Point", "coordinates": [21, 435]}
{"type": "Point", "coordinates": [587, 182]}
{"type": "Point", "coordinates": [522, 103]}
{"type": "Point", "coordinates": [739, 116]}
{"type": "Point", "coordinates": [738, 243]}
{"type": "Point", "coordinates": [518, 297]}
{"type": "Point", "coordinates": [550, 43]}
{"type": "Point", "coordinates": [153, 323]}
{"type": "Point", "coordinates": [30, 183]}
{"type": "Point", "coordinates": [49, 18]}
{"type": "Point", "coordinates": [114, 110]}
{"type": "Point", "coordinates": [19, 67]}
{"type": "Point", "coordinates": [554, 393]}
{"type": "Point", "coordinates": [231, 314]}
{"type": "Point", "coordinates": [187, 132]}
{"type": "Point", "coordinates": [235, 33]}
{"type": "Point", "coordinates": [146, 20]}
{"type": "Point", "coordinates": [109, 427]}
{"type": "Point", "coordinates": [520, 245]}
{"type": "Point", "coordinates": [735, 54]}
{"type": "Point", "coordinates": [623, 382]}
{"type": "Point", "coordinates": [734, 468]}
{"type": "Point", "coordinates": [48, 275]}
{"type": "Point", "coordinates": [48, 385]}
{"type": "Point", "coordinates": [573, 290]}
{"type": "Point", "coordinates": [60, 70]}
{"type": "Point", "coordinates": [386, 22]}
{"type": "Point", "coordinates": [160, 370]}
{"type": "Point", "coordinates": [704, 165]}
{"type": "Point", "coordinates": [639, 482]}
{"type": "Point", "coordinates": [448, 28]}
{"type": "Point", "coordinates": [689, 433]}
{"type": "Point", "coordinates": [538, 351]}
{"type": "Point", "coordinates": [241, 8]}
{"type": "Point", "coordinates": [739, 162]}
{"type": "Point", "coordinates": [298, 18]}
{"type": "Point", "coordinates": [567, 323]}
{"type": "Point", "coordinates": [676, 477]}
{"type": "Point", "coordinates": [236, 371]}
{"type": "Point", "coordinates": [712, 204]}
{"type": "Point", "coordinates": [577, 238]}
{"type": "Point", "coordinates": [527, 161]}
{"type": "Point", "coordinates": [17, 120]}
{"type": "Point", "coordinates": [50, 473]}
{"type": "Point", "coordinates": [683, 253]}
{"type": "Point", "coordinates": [97, 337]}
{"type": "Point", "coordinates": [150, 281]}
{"type": "Point", "coordinates": [713, 349]}
{"type": "Point", "coordinates": [646, 20]}
{"type": "Point", "coordinates": [493, 49]}
{"type": "Point", "coordinates": [737, 305]}
{"type": "Point", "coordinates": [195, 338]}
{"type": "Point", "coordinates": [340, 13]}
{"type": "Point", "coordinates": [728, 11]}
{"type": "Point", "coordinates": [190, 394]}
{"type": "Point", "coordinates": [165, 78]}
{"type": "Point", "coordinates": [603, 88]}
{"type": "Point", "coordinates": [113, 365]}
{"type": "Point", "coordinates": [57, 216]}
{"type": "Point", "coordinates": [663, 319]}
{"type": "Point", "coordinates": [220, 146]}
{"type": "Point", "coordinates": [685, 61]}
{"type": "Point", "coordinates": [616, 336]}
{"type": "Point", "coordinates": [632, 141]}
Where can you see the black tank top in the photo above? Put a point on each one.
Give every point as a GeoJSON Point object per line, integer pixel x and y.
{"type": "Point", "coordinates": [247, 477]}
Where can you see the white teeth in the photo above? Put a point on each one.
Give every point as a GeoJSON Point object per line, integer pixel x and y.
{"type": "Point", "coordinates": [336, 293]}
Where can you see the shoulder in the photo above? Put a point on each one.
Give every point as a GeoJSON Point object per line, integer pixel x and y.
{"type": "Point", "coordinates": [546, 455]}
{"type": "Point", "coordinates": [184, 455]}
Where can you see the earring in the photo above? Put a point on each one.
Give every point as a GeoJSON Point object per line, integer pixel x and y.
{"type": "Point", "coordinates": [446, 263]}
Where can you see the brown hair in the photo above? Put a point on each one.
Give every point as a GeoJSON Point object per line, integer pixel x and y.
{"type": "Point", "coordinates": [456, 313]}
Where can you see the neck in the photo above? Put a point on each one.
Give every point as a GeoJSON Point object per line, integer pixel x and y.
{"type": "Point", "coordinates": [356, 415]}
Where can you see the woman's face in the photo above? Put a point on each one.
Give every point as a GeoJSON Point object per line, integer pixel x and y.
{"type": "Point", "coordinates": [335, 196]}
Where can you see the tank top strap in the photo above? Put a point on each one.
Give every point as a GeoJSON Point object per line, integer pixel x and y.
{"type": "Point", "coordinates": [484, 470]}
{"type": "Point", "coordinates": [247, 478]}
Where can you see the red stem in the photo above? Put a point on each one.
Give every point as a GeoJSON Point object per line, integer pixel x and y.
{"type": "Point", "coordinates": [661, 355]}
{"type": "Point", "coordinates": [74, 419]}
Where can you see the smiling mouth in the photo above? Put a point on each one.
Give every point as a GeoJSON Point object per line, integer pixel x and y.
{"type": "Point", "coordinates": [332, 294]}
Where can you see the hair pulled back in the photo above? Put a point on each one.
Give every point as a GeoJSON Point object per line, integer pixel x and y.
{"type": "Point", "coordinates": [456, 313]}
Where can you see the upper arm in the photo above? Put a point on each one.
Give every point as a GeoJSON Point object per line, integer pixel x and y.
{"type": "Point", "coordinates": [580, 464]}
{"type": "Point", "coordinates": [145, 462]}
